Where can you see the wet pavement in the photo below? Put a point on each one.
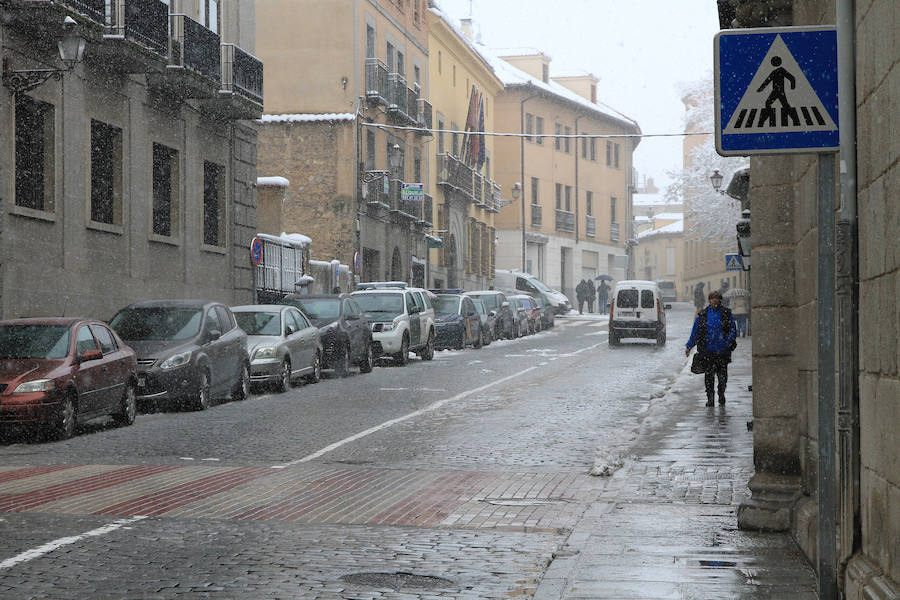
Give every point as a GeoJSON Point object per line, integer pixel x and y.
{"type": "Point", "coordinates": [665, 526]}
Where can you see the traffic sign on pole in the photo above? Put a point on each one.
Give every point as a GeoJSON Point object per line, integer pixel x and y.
{"type": "Point", "coordinates": [776, 90]}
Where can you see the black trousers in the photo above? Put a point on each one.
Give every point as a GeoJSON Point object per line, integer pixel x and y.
{"type": "Point", "coordinates": [716, 369]}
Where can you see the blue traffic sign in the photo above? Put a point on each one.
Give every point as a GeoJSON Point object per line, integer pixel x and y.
{"type": "Point", "coordinates": [733, 262]}
{"type": "Point", "coordinates": [776, 90]}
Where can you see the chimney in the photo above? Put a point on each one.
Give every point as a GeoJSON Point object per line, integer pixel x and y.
{"type": "Point", "coordinates": [466, 26]}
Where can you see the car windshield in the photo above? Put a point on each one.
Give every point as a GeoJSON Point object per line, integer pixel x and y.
{"type": "Point", "coordinates": [491, 301]}
{"type": "Point", "coordinates": [320, 308]}
{"type": "Point", "coordinates": [628, 299]}
{"type": "Point", "coordinates": [479, 306]}
{"type": "Point", "coordinates": [157, 323]}
{"type": "Point", "coordinates": [34, 341]}
{"type": "Point", "coordinates": [381, 305]}
{"type": "Point", "coordinates": [446, 305]}
{"type": "Point", "coordinates": [540, 285]}
{"type": "Point", "coordinates": [259, 322]}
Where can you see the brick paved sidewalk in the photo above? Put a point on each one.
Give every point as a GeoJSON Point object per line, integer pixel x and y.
{"type": "Point", "coordinates": [666, 524]}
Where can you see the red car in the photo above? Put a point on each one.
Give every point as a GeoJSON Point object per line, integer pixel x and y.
{"type": "Point", "coordinates": [58, 372]}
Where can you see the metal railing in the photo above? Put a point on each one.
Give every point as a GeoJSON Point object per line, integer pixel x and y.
{"type": "Point", "coordinates": [242, 72]}
{"type": "Point", "coordinates": [412, 104]}
{"type": "Point", "coordinates": [427, 216]}
{"type": "Point", "coordinates": [397, 95]}
{"type": "Point", "coordinates": [145, 22]}
{"type": "Point", "coordinates": [93, 9]}
{"type": "Point", "coordinates": [590, 228]}
{"type": "Point", "coordinates": [373, 190]}
{"type": "Point", "coordinates": [478, 189]}
{"type": "Point", "coordinates": [537, 215]}
{"type": "Point", "coordinates": [614, 232]}
{"type": "Point", "coordinates": [424, 113]}
{"type": "Point", "coordinates": [376, 80]}
{"type": "Point", "coordinates": [565, 220]}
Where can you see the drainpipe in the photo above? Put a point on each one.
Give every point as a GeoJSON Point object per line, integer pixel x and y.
{"type": "Point", "coordinates": [847, 298]}
{"type": "Point", "coordinates": [576, 178]}
{"type": "Point", "coordinates": [522, 168]}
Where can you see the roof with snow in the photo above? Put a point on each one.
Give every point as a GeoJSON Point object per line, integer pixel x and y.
{"type": "Point", "coordinates": [648, 199]}
{"type": "Point", "coordinates": [670, 229]}
{"type": "Point", "coordinates": [272, 182]}
{"type": "Point", "coordinates": [669, 216]}
{"type": "Point", "coordinates": [307, 117]}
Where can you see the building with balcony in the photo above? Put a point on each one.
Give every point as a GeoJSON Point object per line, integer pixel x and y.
{"type": "Point", "coordinates": [572, 218]}
{"type": "Point", "coordinates": [464, 88]}
{"type": "Point", "coordinates": [346, 119]}
{"type": "Point", "coordinates": [130, 175]}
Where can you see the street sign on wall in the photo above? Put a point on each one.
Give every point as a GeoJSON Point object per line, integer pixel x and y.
{"type": "Point", "coordinates": [733, 262]}
{"type": "Point", "coordinates": [776, 90]}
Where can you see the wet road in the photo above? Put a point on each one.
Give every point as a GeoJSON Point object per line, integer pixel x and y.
{"type": "Point", "coordinates": [463, 474]}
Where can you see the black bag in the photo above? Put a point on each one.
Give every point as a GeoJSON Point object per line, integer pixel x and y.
{"type": "Point", "coordinates": [697, 365]}
{"type": "Point", "coordinates": [732, 345]}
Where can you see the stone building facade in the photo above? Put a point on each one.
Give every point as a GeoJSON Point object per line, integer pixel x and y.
{"type": "Point", "coordinates": [785, 388]}
{"type": "Point", "coordinates": [130, 176]}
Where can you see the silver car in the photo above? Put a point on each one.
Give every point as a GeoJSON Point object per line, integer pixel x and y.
{"type": "Point", "coordinates": [282, 343]}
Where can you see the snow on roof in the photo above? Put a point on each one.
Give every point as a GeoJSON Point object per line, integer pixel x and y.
{"type": "Point", "coordinates": [676, 227]}
{"type": "Point", "coordinates": [564, 73]}
{"type": "Point", "coordinates": [297, 239]}
{"type": "Point", "coordinates": [453, 24]}
{"type": "Point", "coordinates": [648, 199]}
{"type": "Point", "coordinates": [670, 216]}
{"type": "Point", "coordinates": [520, 51]}
{"type": "Point", "coordinates": [641, 219]}
{"type": "Point", "coordinates": [307, 117]}
{"type": "Point", "coordinates": [272, 182]}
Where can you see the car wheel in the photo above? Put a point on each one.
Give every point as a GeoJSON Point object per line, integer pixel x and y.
{"type": "Point", "coordinates": [241, 389]}
{"type": "Point", "coordinates": [368, 362]}
{"type": "Point", "coordinates": [64, 427]}
{"type": "Point", "coordinates": [284, 376]}
{"type": "Point", "coordinates": [488, 337]}
{"type": "Point", "coordinates": [342, 365]}
{"type": "Point", "coordinates": [316, 375]}
{"type": "Point", "coordinates": [428, 352]}
{"type": "Point", "coordinates": [661, 338]}
{"type": "Point", "coordinates": [202, 399]}
{"type": "Point", "coordinates": [402, 357]}
{"type": "Point", "coordinates": [127, 407]}
{"type": "Point", "coordinates": [613, 339]}
{"type": "Point", "coordinates": [479, 342]}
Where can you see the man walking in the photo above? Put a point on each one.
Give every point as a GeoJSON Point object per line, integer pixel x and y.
{"type": "Point", "coordinates": [581, 296]}
{"type": "Point", "coordinates": [602, 296]}
{"type": "Point", "coordinates": [714, 335]}
{"type": "Point", "coordinates": [591, 294]}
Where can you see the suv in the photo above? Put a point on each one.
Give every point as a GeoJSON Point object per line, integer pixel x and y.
{"type": "Point", "coordinates": [402, 320]}
{"type": "Point", "coordinates": [667, 290]}
{"type": "Point", "coordinates": [636, 310]}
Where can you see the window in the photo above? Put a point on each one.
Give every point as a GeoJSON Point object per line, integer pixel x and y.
{"type": "Point", "coordinates": [539, 129]}
{"type": "Point", "coordinates": [529, 126]}
{"type": "Point", "coordinates": [545, 73]}
{"type": "Point", "coordinates": [84, 341]}
{"type": "Point", "coordinates": [440, 135]}
{"type": "Point", "coordinates": [370, 150]}
{"type": "Point", "coordinates": [584, 148]}
{"type": "Point", "coordinates": [370, 41]}
{"type": "Point", "coordinates": [454, 139]}
{"type": "Point", "coordinates": [211, 322]}
{"type": "Point", "coordinates": [616, 155]}
{"type": "Point", "coordinates": [401, 64]}
{"type": "Point", "coordinates": [569, 198]}
{"type": "Point", "coordinates": [213, 204]}
{"type": "Point", "coordinates": [557, 142]}
{"type": "Point", "coordinates": [225, 319]}
{"type": "Point", "coordinates": [416, 11]}
{"type": "Point", "coordinates": [534, 191]}
{"type": "Point", "coordinates": [209, 15]}
{"type": "Point", "coordinates": [389, 53]}
{"type": "Point", "coordinates": [594, 93]}
{"type": "Point", "coordinates": [417, 165]}
{"type": "Point", "coordinates": [34, 153]}
{"type": "Point", "coordinates": [165, 190]}
{"type": "Point", "coordinates": [559, 196]}
{"type": "Point", "coordinates": [612, 209]}
{"type": "Point", "coordinates": [608, 153]}
{"type": "Point", "coordinates": [106, 173]}
{"type": "Point", "coordinates": [593, 148]}
{"type": "Point", "coordinates": [567, 140]}
{"type": "Point", "coordinates": [589, 203]}
{"type": "Point", "coordinates": [417, 77]}
{"type": "Point", "coordinates": [107, 343]}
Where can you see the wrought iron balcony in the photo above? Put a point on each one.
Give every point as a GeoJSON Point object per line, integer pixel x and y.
{"type": "Point", "coordinates": [426, 219]}
{"type": "Point", "coordinates": [565, 221]}
{"type": "Point", "coordinates": [372, 189]}
{"type": "Point", "coordinates": [400, 207]}
{"type": "Point", "coordinates": [494, 202]}
{"type": "Point", "coordinates": [478, 189]}
{"type": "Point", "coordinates": [376, 81]}
{"type": "Point", "coordinates": [614, 232]}
{"type": "Point", "coordinates": [93, 9]}
{"type": "Point", "coordinates": [590, 229]}
{"type": "Point", "coordinates": [241, 93]}
{"type": "Point", "coordinates": [145, 22]}
{"type": "Point", "coordinates": [195, 47]}
{"type": "Point", "coordinates": [537, 215]}
{"type": "Point", "coordinates": [424, 112]}
{"type": "Point", "coordinates": [398, 99]}
{"type": "Point", "coordinates": [412, 104]}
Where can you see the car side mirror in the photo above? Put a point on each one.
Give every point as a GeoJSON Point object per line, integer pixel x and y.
{"type": "Point", "coordinates": [667, 306]}
{"type": "Point", "coordinates": [90, 355]}
{"type": "Point", "coordinates": [505, 304]}
{"type": "Point", "coordinates": [289, 330]}
{"type": "Point", "coordinates": [492, 314]}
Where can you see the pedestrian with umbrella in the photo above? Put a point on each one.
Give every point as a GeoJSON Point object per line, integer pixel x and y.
{"type": "Point", "coordinates": [603, 293]}
{"type": "Point", "coordinates": [739, 302]}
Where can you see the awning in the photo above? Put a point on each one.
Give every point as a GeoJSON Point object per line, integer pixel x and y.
{"type": "Point", "coordinates": [434, 241]}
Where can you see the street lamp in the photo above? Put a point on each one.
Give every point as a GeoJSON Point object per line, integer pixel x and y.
{"type": "Point", "coordinates": [71, 52]}
{"type": "Point", "coordinates": [716, 180]}
{"type": "Point", "coordinates": [743, 238]}
{"type": "Point", "coordinates": [516, 194]}
{"type": "Point", "coordinates": [395, 158]}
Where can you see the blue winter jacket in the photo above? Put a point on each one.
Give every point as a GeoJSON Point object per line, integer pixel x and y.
{"type": "Point", "coordinates": [718, 336]}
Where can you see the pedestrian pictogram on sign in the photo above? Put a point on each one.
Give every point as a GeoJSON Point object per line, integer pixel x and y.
{"type": "Point", "coordinates": [733, 262]}
{"type": "Point", "coordinates": [776, 90]}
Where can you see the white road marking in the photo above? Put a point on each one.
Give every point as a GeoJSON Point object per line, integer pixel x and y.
{"type": "Point", "coordinates": [186, 458]}
{"type": "Point", "coordinates": [65, 541]}
{"type": "Point", "coordinates": [386, 424]}
{"type": "Point", "coordinates": [394, 389]}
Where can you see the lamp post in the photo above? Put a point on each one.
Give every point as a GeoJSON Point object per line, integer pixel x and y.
{"type": "Point", "coordinates": [743, 238]}
{"type": "Point", "coordinates": [395, 159]}
{"type": "Point", "coordinates": [516, 194]}
{"type": "Point", "coordinates": [716, 180]}
{"type": "Point", "coordinates": [71, 52]}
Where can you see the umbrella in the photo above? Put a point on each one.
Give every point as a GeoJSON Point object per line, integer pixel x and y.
{"type": "Point", "coordinates": [603, 277]}
{"type": "Point", "coordinates": [735, 292]}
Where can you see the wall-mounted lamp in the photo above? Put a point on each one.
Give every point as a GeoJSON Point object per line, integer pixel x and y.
{"type": "Point", "coordinates": [743, 238]}
{"type": "Point", "coordinates": [716, 180]}
{"type": "Point", "coordinates": [71, 52]}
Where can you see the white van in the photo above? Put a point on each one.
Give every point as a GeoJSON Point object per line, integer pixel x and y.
{"type": "Point", "coordinates": [636, 310]}
{"type": "Point", "coordinates": [529, 284]}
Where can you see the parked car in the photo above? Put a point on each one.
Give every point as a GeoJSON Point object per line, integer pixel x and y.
{"type": "Point", "coordinates": [505, 324]}
{"type": "Point", "coordinates": [548, 312]}
{"type": "Point", "coordinates": [667, 290]}
{"type": "Point", "coordinates": [636, 311]}
{"type": "Point", "coordinates": [488, 319]}
{"type": "Point", "coordinates": [188, 351]}
{"type": "Point", "coordinates": [532, 311]}
{"type": "Point", "coordinates": [343, 328]}
{"type": "Point", "coordinates": [525, 283]}
{"type": "Point", "coordinates": [402, 319]}
{"type": "Point", "coordinates": [58, 372]}
{"type": "Point", "coordinates": [457, 322]}
{"type": "Point", "coordinates": [282, 344]}
{"type": "Point", "coordinates": [521, 314]}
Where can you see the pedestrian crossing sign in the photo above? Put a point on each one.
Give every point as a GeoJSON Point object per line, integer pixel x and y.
{"type": "Point", "coordinates": [733, 262]}
{"type": "Point", "coordinates": [776, 90]}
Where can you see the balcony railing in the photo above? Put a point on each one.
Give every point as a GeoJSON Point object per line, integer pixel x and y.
{"type": "Point", "coordinates": [143, 21]}
{"type": "Point", "coordinates": [614, 232]}
{"type": "Point", "coordinates": [93, 9]}
{"type": "Point", "coordinates": [376, 80]}
{"type": "Point", "coordinates": [424, 113]}
{"type": "Point", "coordinates": [565, 220]}
{"type": "Point", "coordinates": [373, 190]}
{"type": "Point", "coordinates": [478, 189]}
{"type": "Point", "coordinates": [242, 73]}
{"type": "Point", "coordinates": [590, 229]}
{"type": "Point", "coordinates": [406, 208]}
{"type": "Point", "coordinates": [412, 104]}
{"type": "Point", "coordinates": [491, 195]}
{"type": "Point", "coordinates": [426, 217]}
{"type": "Point", "coordinates": [537, 216]}
{"type": "Point", "coordinates": [397, 96]}
{"type": "Point", "coordinates": [195, 47]}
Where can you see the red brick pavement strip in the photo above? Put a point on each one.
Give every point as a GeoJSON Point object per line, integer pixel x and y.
{"type": "Point", "coordinates": [33, 499]}
{"type": "Point", "coordinates": [15, 474]}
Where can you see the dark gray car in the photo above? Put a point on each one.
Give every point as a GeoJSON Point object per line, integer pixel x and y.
{"type": "Point", "coordinates": [189, 351]}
